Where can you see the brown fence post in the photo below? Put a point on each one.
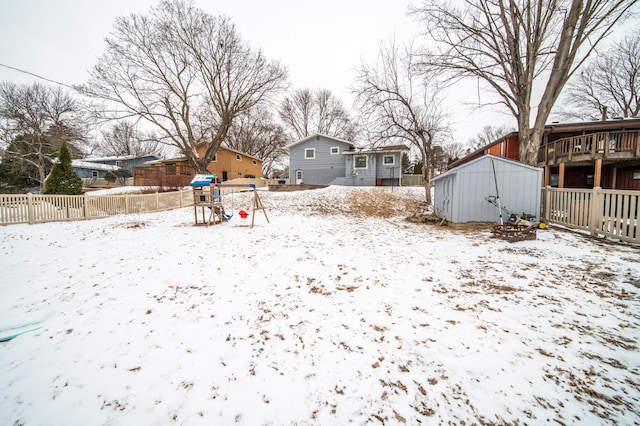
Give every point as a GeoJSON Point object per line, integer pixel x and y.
{"type": "Point", "coordinates": [595, 211]}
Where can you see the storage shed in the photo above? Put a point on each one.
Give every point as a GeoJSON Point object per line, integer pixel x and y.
{"type": "Point", "coordinates": [460, 194]}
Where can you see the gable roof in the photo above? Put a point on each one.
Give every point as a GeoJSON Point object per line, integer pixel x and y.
{"type": "Point", "coordinates": [320, 135]}
{"type": "Point", "coordinates": [228, 149]}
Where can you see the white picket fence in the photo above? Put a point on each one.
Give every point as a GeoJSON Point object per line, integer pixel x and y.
{"type": "Point", "coordinates": [601, 212]}
{"type": "Point", "coordinates": [40, 208]}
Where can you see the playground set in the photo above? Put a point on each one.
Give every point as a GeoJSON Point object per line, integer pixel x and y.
{"type": "Point", "coordinates": [208, 196]}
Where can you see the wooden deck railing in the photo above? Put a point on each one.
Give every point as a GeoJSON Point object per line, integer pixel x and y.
{"type": "Point", "coordinates": [620, 144]}
{"type": "Point", "coordinates": [38, 208]}
{"type": "Point", "coordinates": [605, 212]}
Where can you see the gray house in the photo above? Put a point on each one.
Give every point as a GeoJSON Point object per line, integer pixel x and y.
{"type": "Point", "coordinates": [460, 194]}
{"type": "Point", "coordinates": [326, 160]}
{"type": "Point", "coordinates": [89, 170]}
{"type": "Point", "coordinates": [126, 162]}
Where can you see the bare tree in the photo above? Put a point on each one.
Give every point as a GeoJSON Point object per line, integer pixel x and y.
{"type": "Point", "coordinates": [255, 132]}
{"type": "Point", "coordinates": [34, 120]}
{"type": "Point", "coordinates": [123, 139]}
{"type": "Point", "coordinates": [607, 84]}
{"type": "Point", "coordinates": [453, 151]}
{"type": "Point", "coordinates": [400, 104]}
{"type": "Point", "coordinates": [186, 72]}
{"type": "Point", "coordinates": [510, 44]}
{"type": "Point", "coordinates": [306, 112]}
{"type": "Point", "coordinates": [487, 135]}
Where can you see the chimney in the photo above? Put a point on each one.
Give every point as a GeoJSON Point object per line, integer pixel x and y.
{"type": "Point", "coordinates": [604, 113]}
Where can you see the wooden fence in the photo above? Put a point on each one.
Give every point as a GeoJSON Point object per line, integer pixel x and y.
{"type": "Point", "coordinates": [38, 208]}
{"type": "Point", "coordinates": [601, 212]}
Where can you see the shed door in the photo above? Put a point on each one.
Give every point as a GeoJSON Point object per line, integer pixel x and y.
{"type": "Point", "coordinates": [446, 197]}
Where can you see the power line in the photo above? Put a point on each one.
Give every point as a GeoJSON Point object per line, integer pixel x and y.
{"type": "Point", "coordinates": [36, 75]}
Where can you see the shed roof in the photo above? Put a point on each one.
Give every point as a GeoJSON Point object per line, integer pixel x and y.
{"type": "Point", "coordinates": [484, 158]}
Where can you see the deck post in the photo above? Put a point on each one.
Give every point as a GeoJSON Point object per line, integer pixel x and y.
{"type": "Point", "coordinates": [561, 176]}
{"type": "Point", "coordinates": [597, 177]}
{"type": "Point", "coordinates": [547, 170]}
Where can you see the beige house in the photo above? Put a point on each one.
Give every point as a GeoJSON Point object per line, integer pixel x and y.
{"type": "Point", "coordinates": [227, 164]}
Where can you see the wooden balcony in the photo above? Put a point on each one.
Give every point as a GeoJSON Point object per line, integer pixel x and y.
{"type": "Point", "coordinates": [608, 146]}
{"type": "Point", "coordinates": [163, 175]}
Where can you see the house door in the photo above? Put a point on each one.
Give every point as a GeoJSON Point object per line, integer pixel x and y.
{"type": "Point", "coordinates": [224, 176]}
{"type": "Point", "coordinates": [298, 177]}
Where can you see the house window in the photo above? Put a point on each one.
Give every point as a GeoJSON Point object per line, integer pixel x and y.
{"type": "Point", "coordinates": [119, 164]}
{"type": "Point", "coordinates": [94, 173]}
{"type": "Point", "coordinates": [254, 162]}
{"type": "Point", "coordinates": [171, 168]}
{"type": "Point", "coordinates": [309, 153]}
{"type": "Point", "coordinates": [215, 157]}
{"type": "Point", "coordinates": [238, 157]}
{"type": "Point", "coordinates": [636, 175]}
{"type": "Point", "coordinates": [389, 160]}
{"type": "Point", "coordinates": [334, 150]}
{"type": "Point", "coordinates": [360, 162]}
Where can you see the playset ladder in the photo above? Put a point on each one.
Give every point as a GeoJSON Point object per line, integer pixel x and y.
{"type": "Point", "coordinates": [208, 197]}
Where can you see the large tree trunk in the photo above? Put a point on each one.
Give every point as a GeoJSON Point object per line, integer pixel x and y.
{"type": "Point", "coordinates": [527, 149]}
{"type": "Point", "coordinates": [426, 175]}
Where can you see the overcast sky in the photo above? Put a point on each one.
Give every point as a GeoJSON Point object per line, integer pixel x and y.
{"type": "Point", "coordinates": [321, 42]}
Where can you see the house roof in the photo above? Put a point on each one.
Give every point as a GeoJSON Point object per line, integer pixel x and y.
{"type": "Point", "coordinates": [378, 150]}
{"type": "Point", "coordinates": [120, 157]}
{"type": "Point", "coordinates": [480, 150]}
{"type": "Point", "coordinates": [614, 123]}
{"type": "Point", "coordinates": [81, 164]}
{"type": "Point", "coordinates": [484, 158]}
{"type": "Point", "coordinates": [319, 135]}
{"type": "Point", "coordinates": [169, 160]}
{"type": "Point", "coordinates": [556, 127]}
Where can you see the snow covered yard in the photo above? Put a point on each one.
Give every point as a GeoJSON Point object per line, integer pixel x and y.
{"type": "Point", "coordinates": [325, 315]}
